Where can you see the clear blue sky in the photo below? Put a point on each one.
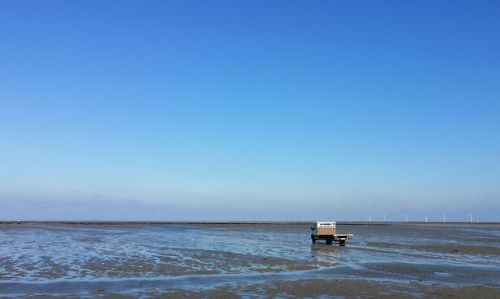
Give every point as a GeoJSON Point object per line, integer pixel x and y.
{"type": "Point", "coordinates": [249, 109]}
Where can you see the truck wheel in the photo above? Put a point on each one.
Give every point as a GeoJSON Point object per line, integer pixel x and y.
{"type": "Point", "coordinates": [342, 243]}
{"type": "Point", "coordinates": [313, 239]}
{"type": "Point", "coordinates": [328, 242]}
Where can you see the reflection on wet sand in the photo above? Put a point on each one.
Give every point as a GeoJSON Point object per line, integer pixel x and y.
{"type": "Point", "coordinates": [327, 254]}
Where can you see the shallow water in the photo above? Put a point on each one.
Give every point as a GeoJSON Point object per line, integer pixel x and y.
{"type": "Point", "coordinates": [61, 259]}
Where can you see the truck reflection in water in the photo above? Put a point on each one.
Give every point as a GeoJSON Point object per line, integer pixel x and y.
{"type": "Point", "coordinates": [327, 255]}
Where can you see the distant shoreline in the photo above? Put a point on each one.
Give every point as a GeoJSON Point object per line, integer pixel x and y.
{"type": "Point", "coordinates": [120, 222]}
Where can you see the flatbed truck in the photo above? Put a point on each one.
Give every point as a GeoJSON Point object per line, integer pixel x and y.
{"type": "Point", "coordinates": [327, 231]}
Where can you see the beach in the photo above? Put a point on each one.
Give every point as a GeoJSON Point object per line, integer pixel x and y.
{"type": "Point", "coordinates": [120, 259]}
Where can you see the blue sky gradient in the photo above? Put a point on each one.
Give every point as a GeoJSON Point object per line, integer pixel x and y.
{"type": "Point", "coordinates": [251, 110]}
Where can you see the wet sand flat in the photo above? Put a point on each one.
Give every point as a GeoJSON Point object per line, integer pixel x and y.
{"type": "Point", "coordinates": [247, 260]}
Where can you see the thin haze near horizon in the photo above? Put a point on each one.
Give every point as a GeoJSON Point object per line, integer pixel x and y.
{"type": "Point", "coordinates": [250, 110]}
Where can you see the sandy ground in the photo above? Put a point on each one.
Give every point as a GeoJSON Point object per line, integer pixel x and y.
{"type": "Point", "coordinates": [318, 288]}
{"type": "Point", "coordinates": [47, 260]}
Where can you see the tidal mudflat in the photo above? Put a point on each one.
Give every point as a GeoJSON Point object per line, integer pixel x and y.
{"type": "Point", "coordinates": [247, 260]}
